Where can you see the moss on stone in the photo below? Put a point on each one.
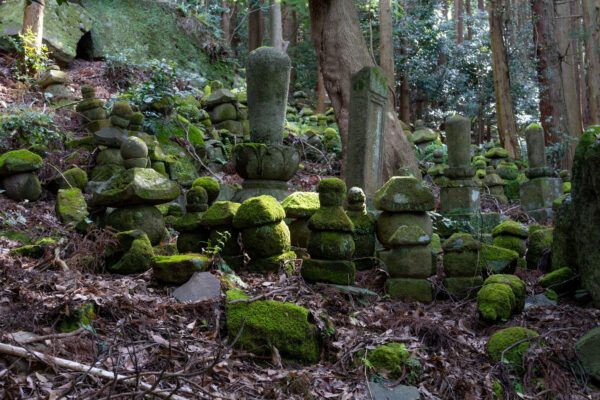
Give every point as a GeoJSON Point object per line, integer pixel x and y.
{"type": "Point", "coordinates": [211, 186]}
{"type": "Point", "coordinates": [35, 250]}
{"type": "Point", "coordinates": [190, 222]}
{"type": "Point", "coordinates": [495, 301]}
{"type": "Point", "coordinates": [256, 211]}
{"type": "Point", "coordinates": [404, 193]}
{"type": "Point", "coordinates": [516, 285]}
{"type": "Point", "coordinates": [301, 204]}
{"type": "Point", "coordinates": [463, 287]}
{"type": "Point", "coordinates": [16, 236]}
{"type": "Point", "coordinates": [266, 240]}
{"type": "Point", "coordinates": [196, 199]}
{"type": "Point", "coordinates": [539, 240]}
{"type": "Point", "coordinates": [331, 245]}
{"type": "Point", "coordinates": [331, 218]}
{"type": "Point", "coordinates": [16, 161]}
{"type": "Point", "coordinates": [340, 272]}
{"type": "Point", "coordinates": [80, 317]}
{"type": "Point", "coordinates": [389, 358]}
{"type": "Point", "coordinates": [286, 326]}
{"type": "Point", "coordinates": [505, 338]}
{"type": "Point", "coordinates": [273, 264]}
{"type": "Point", "coordinates": [411, 289]}
{"type": "Point", "coordinates": [409, 235]}
{"type": "Point", "coordinates": [511, 242]}
{"type": "Point", "coordinates": [499, 259]}
{"type": "Point", "coordinates": [103, 173]}
{"type": "Point", "coordinates": [511, 228]}
{"type": "Point", "coordinates": [132, 255]}
{"type": "Point", "coordinates": [496, 152]}
{"type": "Point", "coordinates": [556, 278]}
{"type": "Point", "coordinates": [178, 269]}
{"type": "Point", "coordinates": [332, 192]}
{"type": "Point", "coordinates": [459, 242]}
{"type": "Point", "coordinates": [71, 206]}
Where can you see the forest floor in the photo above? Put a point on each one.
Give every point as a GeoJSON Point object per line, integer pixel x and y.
{"type": "Point", "coordinates": [143, 333]}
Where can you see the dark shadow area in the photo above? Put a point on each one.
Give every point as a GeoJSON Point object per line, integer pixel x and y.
{"type": "Point", "coordinates": [85, 47]}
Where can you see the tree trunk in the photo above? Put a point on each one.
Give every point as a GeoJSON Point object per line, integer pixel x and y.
{"type": "Point", "coordinates": [469, 23]}
{"type": "Point", "coordinates": [386, 42]}
{"type": "Point", "coordinates": [256, 25]}
{"type": "Point", "coordinates": [33, 19]}
{"type": "Point", "coordinates": [591, 13]}
{"type": "Point", "coordinates": [568, 74]}
{"type": "Point", "coordinates": [559, 111]}
{"type": "Point", "coordinates": [321, 94]}
{"type": "Point", "coordinates": [458, 20]}
{"type": "Point", "coordinates": [341, 51]}
{"type": "Point", "coordinates": [226, 21]}
{"type": "Point", "coordinates": [505, 115]}
{"type": "Point", "coordinates": [276, 25]}
{"type": "Point", "coordinates": [480, 5]}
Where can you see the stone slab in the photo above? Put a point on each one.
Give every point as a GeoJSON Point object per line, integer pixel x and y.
{"type": "Point", "coordinates": [201, 286]}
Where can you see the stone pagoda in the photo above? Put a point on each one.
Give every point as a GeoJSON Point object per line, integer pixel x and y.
{"type": "Point", "coordinates": [542, 188]}
{"type": "Point", "coordinates": [265, 163]}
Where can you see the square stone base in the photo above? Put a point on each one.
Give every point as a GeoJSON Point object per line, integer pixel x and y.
{"type": "Point", "coordinates": [409, 289]}
{"type": "Point", "coordinates": [460, 199]}
{"type": "Point", "coordinates": [539, 193]}
{"type": "Point", "coordinates": [340, 272]}
{"type": "Point", "coordinates": [463, 287]}
{"type": "Point", "coordinates": [408, 261]}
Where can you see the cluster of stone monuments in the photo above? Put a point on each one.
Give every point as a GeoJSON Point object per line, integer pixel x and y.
{"type": "Point", "coordinates": [332, 232]}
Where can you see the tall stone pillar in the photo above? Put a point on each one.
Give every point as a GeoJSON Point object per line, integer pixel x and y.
{"type": "Point", "coordinates": [538, 193]}
{"type": "Point", "coordinates": [459, 195]}
{"type": "Point", "coordinates": [366, 120]}
{"type": "Point", "coordinates": [265, 163]}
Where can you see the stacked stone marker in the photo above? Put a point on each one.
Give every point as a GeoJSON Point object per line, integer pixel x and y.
{"type": "Point", "coordinates": [541, 189]}
{"type": "Point", "coordinates": [366, 126]}
{"type": "Point", "coordinates": [405, 230]}
{"type": "Point", "coordinates": [92, 109]}
{"type": "Point", "coordinates": [265, 163]}
{"type": "Point", "coordinates": [460, 194]}
{"type": "Point", "coordinates": [364, 229]}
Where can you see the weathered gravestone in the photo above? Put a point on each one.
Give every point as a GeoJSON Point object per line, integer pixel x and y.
{"type": "Point", "coordinates": [366, 120]}
{"type": "Point", "coordinates": [541, 189]}
{"type": "Point", "coordinates": [265, 163]}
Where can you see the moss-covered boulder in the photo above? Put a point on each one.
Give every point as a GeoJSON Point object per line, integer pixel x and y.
{"type": "Point", "coordinates": [560, 280]}
{"type": "Point", "coordinates": [71, 206]}
{"type": "Point", "coordinates": [35, 250]}
{"type": "Point", "coordinates": [461, 256]}
{"type": "Point", "coordinates": [301, 204]}
{"type": "Point", "coordinates": [517, 286]}
{"type": "Point", "coordinates": [331, 218]}
{"type": "Point", "coordinates": [507, 170]}
{"type": "Point", "coordinates": [287, 327]}
{"type": "Point", "coordinates": [71, 178]}
{"type": "Point", "coordinates": [505, 338]}
{"type": "Point", "coordinates": [256, 211]}
{"type": "Point", "coordinates": [132, 253]}
{"type": "Point", "coordinates": [135, 186]}
{"type": "Point", "coordinates": [539, 240]}
{"type": "Point", "coordinates": [211, 186]}
{"type": "Point", "coordinates": [588, 351]}
{"type": "Point", "coordinates": [404, 194]}
{"type": "Point", "coordinates": [22, 186]}
{"type": "Point", "coordinates": [221, 213]}
{"type": "Point", "coordinates": [17, 161]}
{"type": "Point", "coordinates": [462, 287]}
{"type": "Point", "coordinates": [498, 259]}
{"type": "Point", "coordinates": [178, 269]}
{"type": "Point", "coordinates": [511, 242]}
{"type": "Point", "coordinates": [144, 217]}
{"type": "Point", "coordinates": [495, 302]}
{"type": "Point", "coordinates": [389, 359]}
{"type": "Point", "coordinates": [331, 245]}
{"type": "Point", "coordinates": [511, 228]}
{"type": "Point", "coordinates": [496, 152]}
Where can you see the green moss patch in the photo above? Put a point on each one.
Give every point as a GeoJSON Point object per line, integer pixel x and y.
{"type": "Point", "coordinates": [258, 211]}
{"type": "Point", "coordinates": [495, 301]}
{"type": "Point", "coordinates": [286, 326]}
{"type": "Point", "coordinates": [504, 338]}
{"type": "Point", "coordinates": [301, 204]}
{"type": "Point", "coordinates": [16, 161]}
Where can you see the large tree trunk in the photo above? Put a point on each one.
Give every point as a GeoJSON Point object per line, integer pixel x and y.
{"type": "Point", "coordinates": [591, 23]}
{"type": "Point", "coordinates": [386, 41]}
{"type": "Point", "coordinates": [505, 115]}
{"type": "Point", "coordinates": [569, 78]}
{"type": "Point", "coordinates": [276, 25]}
{"type": "Point", "coordinates": [256, 25]}
{"type": "Point", "coordinates": [559, 111]}
{"type": "Point", "coordinates": [341, 51]}
{"type": "Point", "coordinates": [469, 23]}
{"type": "Point", "coordinates": [33, 20]}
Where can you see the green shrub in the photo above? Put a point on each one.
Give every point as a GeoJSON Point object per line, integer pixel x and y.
{"type": "Point", "coordinates": [27, 126]}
